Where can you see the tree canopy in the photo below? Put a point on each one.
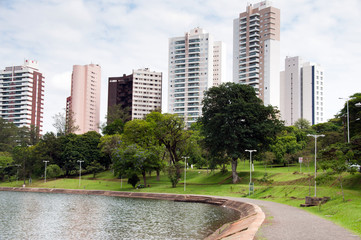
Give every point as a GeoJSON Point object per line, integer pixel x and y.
{"type": "Point", "coordinates": [235, 119]}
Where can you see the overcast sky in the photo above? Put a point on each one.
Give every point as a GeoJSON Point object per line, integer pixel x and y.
{"type": "Point", "coordinates": [122, 35]}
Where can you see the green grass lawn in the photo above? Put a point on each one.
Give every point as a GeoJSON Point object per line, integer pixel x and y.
{"type": "Point", "coordinates": [286, 185]}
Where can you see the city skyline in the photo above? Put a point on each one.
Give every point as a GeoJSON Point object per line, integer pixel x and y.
{"type": "Point", "coordinates": [133, 35]}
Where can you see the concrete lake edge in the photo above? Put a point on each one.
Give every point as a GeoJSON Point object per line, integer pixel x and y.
{"type": "Point", "coordinates": [245, 228]}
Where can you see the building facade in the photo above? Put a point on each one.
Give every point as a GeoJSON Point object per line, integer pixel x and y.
{"type": "Point", "coordinates": [302, 91]}
{"type": "Point", "coordinates": [140, 92]}
{"type": "Point", "coordinates": [191, 72]}
{"type": "Point", "coordinates": [84, 102]}
{"type": "Point", "coordinates": [22, 95]}
{"type": "Point", "coordinates": [256, 50]}
{"type": "Point", "coordinates": [219, 63]}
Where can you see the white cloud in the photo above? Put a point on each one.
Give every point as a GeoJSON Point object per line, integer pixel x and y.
{"type": "Point", "coordinates": [122, 35]}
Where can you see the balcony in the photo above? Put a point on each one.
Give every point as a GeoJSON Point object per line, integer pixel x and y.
{"type": "Point", "coordinates": [253, 24]}
{"type": "Point", "coordinates": [254, 54]}
{"type": "Point", "coordinates": [254, 34]}
{"type": "Point", "coordinates": [254, 44]}
{"type": "Point", "coordinates": [253, 39]}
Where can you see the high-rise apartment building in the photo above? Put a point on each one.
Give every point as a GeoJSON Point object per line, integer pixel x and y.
{"type": "Point", "coordinates": [22, 95]}
{"type": "Point", "coordinates": [140, 92]}
{"type": "Point", "coordinates": [84, 101]}
{"type": "Point", "coordinates": [302, 88]}
{"type": "Point", "coordinates": [256, 50]}
{"type": "Point", "coordinates": [219, 63]}
{"type": "Point", "coordinates": [191, 64]}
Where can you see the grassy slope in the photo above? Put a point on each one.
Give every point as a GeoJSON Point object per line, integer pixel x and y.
{"type": "Point", "coordinates": [288, 187]}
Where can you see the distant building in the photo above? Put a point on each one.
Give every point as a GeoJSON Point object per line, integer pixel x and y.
{"type": "Point", "coordinates": [302, 91]}
{"type": "Point", "coordinates": [22, 95]}
{"type": "Point", "coordinates": [141, 92]}
{"type": "Point", "coordinates": [191, 72]}
{"type": "Point", "coordinates": [256, 50]}
{"type": "Point", "coordinates": [219, 63]}
{"type": "Point", "coordinates": [84, 101]}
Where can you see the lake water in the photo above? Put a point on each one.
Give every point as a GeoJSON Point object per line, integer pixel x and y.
{"type": "Point", "coordinates": [25, 215]}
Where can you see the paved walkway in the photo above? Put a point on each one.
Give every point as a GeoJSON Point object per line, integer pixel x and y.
{"type": "Point", "coordinates": [284, 222]}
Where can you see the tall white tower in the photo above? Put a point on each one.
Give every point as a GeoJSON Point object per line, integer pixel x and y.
{"type": "Point", "coordinates": [302, 89]}
{"type": "Point", "coordinates": [190, 73]}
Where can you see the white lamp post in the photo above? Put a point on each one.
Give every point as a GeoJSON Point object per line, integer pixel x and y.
{"type": "Point", "coordinates": [80, 171]}
{"type": "Point", "coordinates": [315, 136]}
{"type": "Point", "coordinates": [250, 168]}
{"type": "Point", "coordinates": [46, 162]}
{"type": "Point", "coordinates": [348, 120]}
{"type": "Point", "coordinates": [185, 172]}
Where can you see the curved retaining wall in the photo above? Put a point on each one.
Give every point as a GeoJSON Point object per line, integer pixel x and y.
{"type": "Point", "coordinates": [245, 228]}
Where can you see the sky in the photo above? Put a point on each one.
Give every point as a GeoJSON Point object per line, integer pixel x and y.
{"type": "Point", "coordinates": [122, 35]}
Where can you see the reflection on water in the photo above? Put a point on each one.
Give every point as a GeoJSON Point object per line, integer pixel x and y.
{"type": "Point", "coordinates": [65, 216]}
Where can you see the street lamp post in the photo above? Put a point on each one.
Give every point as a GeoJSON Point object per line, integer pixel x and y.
{"type": "Point", "coordinates": [250, 169]}
{"type": "Point", "coordinates": [185, 172]}
{"type": "Point", "coordinates": [315, 136]}
{"type": "Point", "coordinates": [46, 162]}
{"type": "Point", "coordinates": [79, 161]}
{"type": "Point", "coordinates": [348, 120]}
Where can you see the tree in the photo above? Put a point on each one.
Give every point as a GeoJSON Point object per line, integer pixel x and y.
{"type": "Point", "coordinates": [354, 116]}
{"type": "Point", "coordinates": [302, 124]}
{"type": "Point", "coordinates": [115, 127]}
{"type": "Point", "coordinates": [64, 123]}
{"type": "Point", "coordinates": [108, 144]}
{"type": "Point", "coordinates": [268, 158]}
{"type": "Point", "coordinates": [285, 144]}
{"type": "Point", "coordinates": [118, 112]}
{"type": "Point", "coordinates": [8, 133]}
{"type": "Point", "coordinates": [53, 171]}
{"type": "Point", "coordinates": [337, 157]}
{"type": "Point", "coordinates": [95, 167]}
{"type": "Point", "coordinates": [326, 127]}
{"type": "Point", "coordinates": [59, 123]}
{"type": "Point", "coordinates": [169, 131]}
{"type": "Point", "coordinates": [133, 180]}
{"type": "Point", "coordinates": [133, 159]}
{"type": "Point", "coordinates": [51, 147]}
{"type": "Point", "coordinates": [235, 119]}
{"type": "Point", "coordinates": [21, 155]}
{"type": "Point", "coordinates": [141, 133]}
{"type": "Point", "coordinates": [5, 161]}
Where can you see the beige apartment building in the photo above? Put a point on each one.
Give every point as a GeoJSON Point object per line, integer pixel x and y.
{"type": "Point", "coordinates": [256, 50]}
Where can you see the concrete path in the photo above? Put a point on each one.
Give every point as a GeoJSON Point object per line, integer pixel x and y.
{"type": "Point", "coordinates": [284, 222]}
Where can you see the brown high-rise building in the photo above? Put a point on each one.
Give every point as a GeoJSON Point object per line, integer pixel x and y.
{"type": "Point", "coordinates": [256, 51]}
{"type": "Point", "coordinates": [140, 91]}
{"type": "Point", "coordinates": [22, 95]}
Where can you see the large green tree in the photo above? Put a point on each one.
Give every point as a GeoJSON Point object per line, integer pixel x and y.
{"type": "Point", "coordinates": [235, 119]}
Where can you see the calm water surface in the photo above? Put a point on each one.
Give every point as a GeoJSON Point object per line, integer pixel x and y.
{"type": "Point", "coordinates": [26, 215]}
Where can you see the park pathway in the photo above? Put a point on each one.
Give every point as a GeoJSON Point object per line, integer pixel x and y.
{"type": "Point", "coordinates": [284, 222]}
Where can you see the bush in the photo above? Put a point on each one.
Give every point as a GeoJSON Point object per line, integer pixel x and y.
{"type": "Point", "coordinates": [53, 171]}
{"type": "Point", "coordinates": [133, 180]}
